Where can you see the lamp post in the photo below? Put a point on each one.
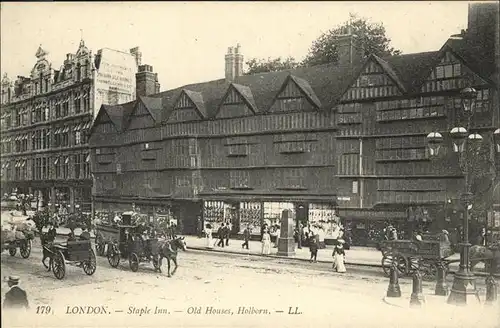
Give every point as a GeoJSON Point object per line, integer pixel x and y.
{"type": "Point", "coordinates": [464, 142]}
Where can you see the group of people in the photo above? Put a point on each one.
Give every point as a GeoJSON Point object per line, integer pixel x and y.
{"type": "Point", "coordinates": [223, 234]}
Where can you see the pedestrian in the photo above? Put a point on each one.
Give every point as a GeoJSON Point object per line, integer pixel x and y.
{"type": "Point", "coordinates": [266, 242]}
{"type": "Point", "coordinates": [227, 232]}
{"type": "Point", "coordinates": [300, 232]}
{"type": "Point", "coordinates": [199, 226]}
{"type": "Point", "coordinates": [338, 251]}
{"type": "Point", "coordinates": [246, 237]}
{"type": "Point", "coordinates": [313, 247]}
{"type": "Point", "coordinates": [16, 297]}
{"type": "Point", "coordinates": [220, 234]}
{"type": "Point", "coordinates": [278, 232]}
{"type": "Point", "coordinates": [481, 238]}
{"type": "Point", "coordinates": [208, 235]}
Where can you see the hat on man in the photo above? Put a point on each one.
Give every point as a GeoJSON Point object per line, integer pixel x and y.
{"type": "Point", "coordinates": [13, 280]}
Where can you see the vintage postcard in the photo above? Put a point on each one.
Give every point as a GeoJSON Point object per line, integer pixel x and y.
{"type": "Point", "coordinates": [250, 164]}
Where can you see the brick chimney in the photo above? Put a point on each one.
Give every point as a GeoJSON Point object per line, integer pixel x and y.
{"type": "Point", "coordinates": [137, 55]}
{"type": "Point", "coordinates": [349, 52]}
{"type": "Point", "coordinates": [238, 61]}
{"type": "Point", "coordinates": [230, 71]}
{"type": "Point", "coordinates": [146, 81]}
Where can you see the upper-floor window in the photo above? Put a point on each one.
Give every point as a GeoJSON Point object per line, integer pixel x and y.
{"type": "Point", "coordinates": [239, 179]}
{"type": "Point", "coordinates": [65, 108]}
{"type": "Point", "coordinates": [77, 103]}
{"type": "Point", "coordinates": [401, 148]}
{"type": "Point", "coordinates": [408, 109]}
{"type": "Point", "coordinates": [58, 110]}
{"type": "Point", "coordinates": [349, 113]}
{"type": "Point", "coordinates": [86, 166]}
{"type": "Point", "coordinates": [291, 99]}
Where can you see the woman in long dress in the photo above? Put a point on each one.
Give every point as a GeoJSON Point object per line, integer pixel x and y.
{"type": "Point", "coordinates": [208, 235]}
{"type": "Point", "coordinates": [338, 251]}
{"type": "Point", "coordinates": [266, 243]}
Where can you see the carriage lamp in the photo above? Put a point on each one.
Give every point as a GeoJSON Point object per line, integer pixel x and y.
{"type": "Point", "coordinates": [496, 138]}
{"type": "Point", "coordinates": [434, 140]}
{"type": "Point", "coordinates": [469, 96]}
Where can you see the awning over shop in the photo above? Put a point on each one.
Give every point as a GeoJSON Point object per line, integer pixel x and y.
{"type": "Point", "coordinates": [271, 196]}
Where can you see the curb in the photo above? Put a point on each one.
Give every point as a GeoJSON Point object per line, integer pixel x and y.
{"type": "Point", "coordinates": [370, 265]}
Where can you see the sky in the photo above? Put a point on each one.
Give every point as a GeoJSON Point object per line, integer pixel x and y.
{"type": "Point", "coordinates": [186, 42]}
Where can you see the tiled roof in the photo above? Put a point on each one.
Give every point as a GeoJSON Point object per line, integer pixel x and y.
{"type": "Point", "coordinates": [246, 92]}
{"type": "Point", "coordinates": [323, 84]}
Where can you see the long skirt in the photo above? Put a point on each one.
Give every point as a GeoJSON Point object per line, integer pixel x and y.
{"type": "Point", "coordinates": [338, 262]}
{"type": "Point", "coordinates": [210, 243]}
{"type": "Point", "coordinates": [266, 247]}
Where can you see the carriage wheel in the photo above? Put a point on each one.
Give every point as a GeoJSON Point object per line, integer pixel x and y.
{"type": "Point", "coordinates": [12, 251]}
{"type": "Point", "coordinates": [134, 262]}
{"type": "Point", "coordinates": [429, 271]}
{"type": "Point", "coordinates": [25, 249]}
{"type": "Point", "coordinates": [113, 258]}
{"type": "Point", "coordinates": [58, 265]}
{"type": "Point", "coordinates": [90, 265]}
{"type": "Point", "coordinates": [401, 264]}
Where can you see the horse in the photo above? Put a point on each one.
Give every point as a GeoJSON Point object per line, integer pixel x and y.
{"type": "Point", "coordinates": [46, 240]}
{"type": "Point", "coordinates": [484, 254]}
{"type": "Point", "coordinates": [168, 249]}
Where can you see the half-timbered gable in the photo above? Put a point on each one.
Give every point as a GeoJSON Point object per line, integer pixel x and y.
{"type": "Point", "coordinates": [103, 123]}
{"type": "Point", "coordinates": [237, 102]}
{"type": "Point", "coordinates": [188, 107]}
{"type": "Point", "coordinates": [295, 95]}
{"type": "Point", "coordinates": [142, 116]}
{"type": "Point", "coordinates": [373, 82]}
{"type": "Point", "coordinates": [451, 73]}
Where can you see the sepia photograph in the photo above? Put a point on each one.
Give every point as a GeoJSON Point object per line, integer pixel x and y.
{"type": "Point", "coordinates": [250, 164]}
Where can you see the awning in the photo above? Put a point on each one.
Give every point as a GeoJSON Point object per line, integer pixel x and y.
{"type": "Point", "coordinates": [78, 95]}
{"type": "Point", "coordinates": [48, 132]}
{"type": "Point", "coordinates": [77, 127]}
{"type": "Point", "coordinates": [56, 161]}
{"type": "Point", "coordinates": [67, 160]}
{"type": "Point", "coordinates": [9, 139]}
{"type": "Point", "coordinates": [18, 137]}
{"type": "Point", "coordinates": [25, 137]}
{"type": "Point", "coordinates": [66, 129]}
{"type": "Point", "coordinates": [88, 158]}
{"type": "Point", "coordinates": [23, 163]}
{"type": "Point", "coordinates": [18, 164]}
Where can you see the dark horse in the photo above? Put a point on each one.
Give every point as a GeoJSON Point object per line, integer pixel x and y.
{"type": "Point", "coordinates": [47, 239]}
{"type": "Point", "coordinates": [168, 249]}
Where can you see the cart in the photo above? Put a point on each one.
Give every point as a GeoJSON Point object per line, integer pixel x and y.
{"type": "Point", "coordinates": [23, 244]}
{"type": "Point", "coordinates": [79, 253]}
{"type": "Point", "coordinates": [410, 255]}
{"type": "Point", "coordinates": [124, 242]}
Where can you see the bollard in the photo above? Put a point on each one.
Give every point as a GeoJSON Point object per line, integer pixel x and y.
{"type": "Point", "coordinates": [441, 287]}
{"type": "Point", "coordinates": [417, 297]}
{"type": "Point", "coordinates": [491, 289]}
{"type": "Point", "coordinates": [394, 290]}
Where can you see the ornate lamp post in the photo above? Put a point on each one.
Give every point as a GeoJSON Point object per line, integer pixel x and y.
{"type": "Point", "coordinates": [464, 142]}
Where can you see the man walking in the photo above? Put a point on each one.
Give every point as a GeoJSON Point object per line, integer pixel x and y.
{"type": "Point", "coordinates": [246, 236]}
{"type": "Point", "coordinates": [299, 237]}
{"type": "Point", "coordinates": [16, 297]}
{"type": "Point", "coordinates": [220, 233]}
{"type": "Point", "coordinates": [227, 233]}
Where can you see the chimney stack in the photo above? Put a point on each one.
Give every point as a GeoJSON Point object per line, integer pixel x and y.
{"type": "Point", "coordinates": [230, 64]}
{"type": "Point", "coordinates": [137, 55]}
{"type": "Point", "coordinates": [349, 52]}
{"type": "Point", "coordinates": [238, 61]}
{"type": "Point", "coordinates": [146, 81]}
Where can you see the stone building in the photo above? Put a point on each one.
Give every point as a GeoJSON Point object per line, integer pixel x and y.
{"type": "Point", "coordinates": [45, 119]}
{"type": "Point", "coordinates": [346, 139]}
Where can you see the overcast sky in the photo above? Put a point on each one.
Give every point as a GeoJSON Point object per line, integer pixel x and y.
{"type": "Point", "coordinates": [186, 42]}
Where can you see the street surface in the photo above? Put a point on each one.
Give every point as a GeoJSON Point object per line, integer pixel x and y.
{"type": "Point", "coordinates": [218, 285]}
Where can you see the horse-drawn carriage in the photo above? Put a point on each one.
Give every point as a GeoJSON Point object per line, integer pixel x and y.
{"type": "Point", "coordinates": [78, 252]}
{"type": "Point", "coordinates": [425, 255]}
{"type": "Point", "coordinates": [125, 242]}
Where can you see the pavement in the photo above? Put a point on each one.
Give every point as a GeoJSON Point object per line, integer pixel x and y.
{"type": "Point", "coordinates": [357, 255]}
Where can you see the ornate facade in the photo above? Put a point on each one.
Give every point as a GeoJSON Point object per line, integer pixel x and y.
{"type": "Point", "coordinates": [45, 119]}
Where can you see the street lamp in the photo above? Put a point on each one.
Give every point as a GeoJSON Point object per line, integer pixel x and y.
{"type": "Point", "coordinates": [464, 282]}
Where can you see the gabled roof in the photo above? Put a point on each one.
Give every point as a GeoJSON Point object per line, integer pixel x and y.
{"type": "Point", "coordinates": [390, 72]}
{"type": "Point", "coordinates": [247, 95]}
{"type": "Point", "coordinates": [306, 89]}
{"type": "Point", "coordinates": [197, 99]}
{"type": "Point", "coordinates": [153, 105]}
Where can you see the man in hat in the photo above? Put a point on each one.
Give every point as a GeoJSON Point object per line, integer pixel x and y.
{"type": "Point", "coordinates": [16, 297]}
